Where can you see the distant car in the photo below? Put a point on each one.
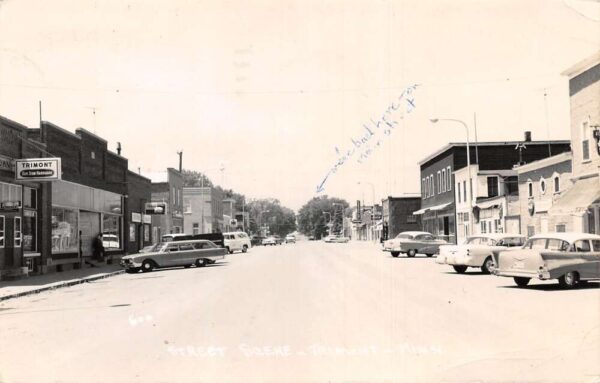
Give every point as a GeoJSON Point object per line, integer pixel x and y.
{"type": "Point", "coordinates": [290, 238]}
{"type": "Point", "coordinates": [237, 241]}
{"type": "Point", "coordinates": [336, 238]}
{"type": "Point", "coordinates": [269, 241]}
{"type": "Point", "coordinates": [477, 251]}
{"type": "Point", "coordinates": [174, 253]}
{"type": "Point", "coordinates": [256, 240]}
{"type": "Point", "coordinates": [569, 257]}
{"type": "Point", "coordinates": [413, 242]}
{"type": "Point", "coordinates": [278, 239]}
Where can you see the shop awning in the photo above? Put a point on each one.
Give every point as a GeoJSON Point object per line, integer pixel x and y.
{"type": "Point", "coordinates": [578, 198]}
{"type": "Point", "coordinates": [490, 203]}
{"type": "Point", "coordinates": [432, 208]}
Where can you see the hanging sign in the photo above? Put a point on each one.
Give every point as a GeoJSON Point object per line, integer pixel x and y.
{"type": "Point", "coordinates": [38, 169]}
{"type": "Point", "coordinates": [7, 164]}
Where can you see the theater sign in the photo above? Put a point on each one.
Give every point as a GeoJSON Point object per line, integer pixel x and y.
{"type": "Point", "coordinates": [38, 169]}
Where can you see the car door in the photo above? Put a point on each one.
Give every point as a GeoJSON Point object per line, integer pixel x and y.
{"type": "Point", "coordinates": [584, 263]}
{"type": "Point", "coordinates": [425, 244]}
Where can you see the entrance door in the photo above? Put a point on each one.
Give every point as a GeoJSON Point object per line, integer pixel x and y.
{"type": "Point", "coordinates": [89, 225]}
{"type": "Point", "coordinates": [9, 239]}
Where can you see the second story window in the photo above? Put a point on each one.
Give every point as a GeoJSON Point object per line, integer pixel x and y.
{"type": "Point", "coordinates": [443, 180]}
{"type": "Point", "coordinates": [529, 189]}
{"type": "Point", "coordinates": [449, 176]}
{"type": "Point", "coordinates": [439, 182]}
{"type": "Point", "coordinates": [585, 141]}
{"type": "Point", "coordinates": [556, 184]}
{"type": "Point", "coordinates": [492, 186]}
{"type": "Point", "coordinates": [458, 191]}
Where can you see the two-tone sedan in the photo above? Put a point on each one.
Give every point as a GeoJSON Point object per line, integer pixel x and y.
{"type": "Point", "coordinates": [569, 257]}
{"type": "Point", "coordinates": [477, 251]}
{"type": "Point", "coordinates": [413, 242]}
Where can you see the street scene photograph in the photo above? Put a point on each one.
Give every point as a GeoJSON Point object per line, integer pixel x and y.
{"type": "Point", "coordinates": [299, 191]}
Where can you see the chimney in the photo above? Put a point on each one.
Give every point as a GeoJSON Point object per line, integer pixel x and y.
{"type": "Point", "coordinates": [118, 148]}
{"type": "Point", "coordinates": [528, 136]}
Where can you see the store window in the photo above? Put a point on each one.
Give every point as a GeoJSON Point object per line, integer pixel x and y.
{"type": "Point", "coordinates": [146, 233]}
{"type": "Point", "coordinates": [64, 230]}
{"type": "Point", "coordinates": [111, 224]}
{"type": "Point", "coordinates": [1, 231]}
{"type": "Point", "coordinates": [29, 231]}
{"type": "Point", "coordinates": [195, 228]}
{"type": "Point", "coordinates": [18, 232]}
{"type": "Point", "coordinates": [29, 198]}
{"type": "Point", "coordinates": [483, 227]}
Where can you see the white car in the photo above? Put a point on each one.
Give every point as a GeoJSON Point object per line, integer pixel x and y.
{"type": "Point", "coordinates": [413, 242]}
{"type": "Point", "coordinates": [271, 241]}
{"type": "Point", "coordinates": [478, 251]}
{"type": "Point", "coordinates": [236, 241]}
{"type": "Point", "coordinates": [290, 238]}
{"type": "Point", "coordinates": [336, 239]}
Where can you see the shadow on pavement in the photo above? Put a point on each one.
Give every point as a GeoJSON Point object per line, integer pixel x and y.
{"type": "Point", "coordinates": [555, 287]}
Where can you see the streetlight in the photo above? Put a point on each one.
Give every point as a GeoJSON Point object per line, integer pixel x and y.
{"type": "Point", "coordinates": [435, 120]}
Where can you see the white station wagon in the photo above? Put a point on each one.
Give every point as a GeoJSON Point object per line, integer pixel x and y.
{"type": "Point", "coordinates": [569, 257]}
{"type": "Point", "coordinates": [477, 251]}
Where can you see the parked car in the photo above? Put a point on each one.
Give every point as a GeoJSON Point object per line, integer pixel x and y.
{"type": "Point", "coordinates": [174, 253]}
{"type": "Point", "coordinates": [477, 251]}
{"type": "Point", "coordinates": [237, 241]}
{"type": "Point", "coordinates": [269, 241]}
{"type": "Point", "coordinates": [256, 240]}
{"type": "Point", "coordinates": [569, 257]}
{"type": "Point", "coordinates": [216, 238]}
{"type": "Point", "coordinates": [290, 238]}
{"type": "Point", "coordinates": [278, 239]}
{"type": "Point", "coordinates": [413, 242]}
{"type": "Point", "coordinates": [336, 238]}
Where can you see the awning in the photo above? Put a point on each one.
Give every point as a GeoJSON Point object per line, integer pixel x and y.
{"type": "Point", "coordinates": [432, 208]}
{"type": "Point", "coordinates": [578, 198]}
{"type": "Point", "coordinates": [489, 204]}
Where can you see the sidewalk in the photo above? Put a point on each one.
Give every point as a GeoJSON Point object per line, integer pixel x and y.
{"type": "Point", "coordinates": [55, 280]}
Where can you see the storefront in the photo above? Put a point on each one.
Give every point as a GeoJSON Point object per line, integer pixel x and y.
{"type": "Point", "coordinates": [439, 221]}
{"type": "Point", "coordinates": [79, 214]}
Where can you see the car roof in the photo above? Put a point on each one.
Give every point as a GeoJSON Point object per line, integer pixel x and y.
{"type": "Point", "coordinates": [567, 236]}
{"type": "Point", "coordinates": [497, 235]}
{"type": "Point", "coordinates": [186, 241]}
{"type": "Point", "coordinates": [415, 232]}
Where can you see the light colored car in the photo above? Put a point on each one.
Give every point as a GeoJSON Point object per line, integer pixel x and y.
{"type": "Point", "coordinates": [269, 241]}
{"type": "Point", "coordinates": [236, 241]}
{"type": "Point", "coordinates": [175, 253]}
{"type": "Point", "coordinates": [477, 251]}
{"type": "Point", "coordinates": [337, 239]}
{"type": "Point", "coordinates": [413, 242]}
{"type": "Point", "coordinates": [569, 257]}
{"type": "Point", "coordinates": [290, 238]}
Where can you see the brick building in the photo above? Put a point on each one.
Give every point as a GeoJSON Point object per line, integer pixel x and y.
{"type": "Point", "coordinates": [167, 188]}
{"type": "Point", "coordinates": [397, 214]}
{"type": "Point", "coordinates": [139, 232]}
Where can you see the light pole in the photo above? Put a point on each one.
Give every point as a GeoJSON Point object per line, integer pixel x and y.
{"type": "Point", "coordinates": [435, 120]}
{"type": "Point", "coordinates": [260, 219]}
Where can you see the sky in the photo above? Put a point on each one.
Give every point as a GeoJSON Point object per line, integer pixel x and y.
{"type": "Point", "coordinates": [291, 98]}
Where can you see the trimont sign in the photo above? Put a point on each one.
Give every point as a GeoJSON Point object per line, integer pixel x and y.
{"type": "Point", "coordinates": [38, 169]}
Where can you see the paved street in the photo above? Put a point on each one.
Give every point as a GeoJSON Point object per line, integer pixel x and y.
{"type": "Point", "coordinates": [309, 311]}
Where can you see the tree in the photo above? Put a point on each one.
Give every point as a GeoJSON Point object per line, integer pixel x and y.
{"type": "Point", "coordinates": [268, 212]}
{"type": "Point", "coordinates": [193, 178]}
{"type": "Point", "coordinates": [315, 217]}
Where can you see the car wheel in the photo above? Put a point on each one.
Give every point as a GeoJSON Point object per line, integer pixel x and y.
{"type": "Point", "coordinates": [395, 254]}
{"type": "Point", "coordinates": [244, 248]}
{"type": "Point", "coordinates": [429, 255]}
{"type": "Point", "coordinates": [187, 266]}
{"type": "Point", "coordinates": [460, 268]}
{"type": "Point", "coordinates": [487, 265]}
{"type": "Point", "coordinates": [521, 281]}
{"type": "Point", "coordinates": [200, 263]}
{"type": "Point", "coordinates": [569, 280]}
{"type": "Point", "coordinates": [228, 250]}
{"type": "Point", "coordinates": [411, 253]}
{"type": "Point", "coordinates": [147, 266]}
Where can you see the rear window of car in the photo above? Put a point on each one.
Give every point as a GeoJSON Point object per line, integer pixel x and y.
{"type": "Point", "coordinates": [481, 241]}
{"type": "Point", "coordinates": [536, 244]}
{"type": "Point", "coordinates": [557, 245]}
{"type": "Point", "coordinates": [582, 246]}
{"type": "Point", "coordinates": [511, 242]}
{"type": "Point", "coordinates": [404, 236]}
{"type": "Point", "coordinates": [596, 244]}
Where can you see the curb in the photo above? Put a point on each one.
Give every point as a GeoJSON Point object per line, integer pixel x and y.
{"type": "Point", "coordinates": [60, 285]}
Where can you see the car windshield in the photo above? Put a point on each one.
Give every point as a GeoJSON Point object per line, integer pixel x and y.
{"type": "Point", "coordinates": [404, 236]}
{"type": "Point", "coordinates": [481, 241]}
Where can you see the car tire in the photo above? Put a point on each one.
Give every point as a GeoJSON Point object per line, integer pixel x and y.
{"type": "Point", "coordinates": [487, 265]}
{"type": "Point", "coordinates": [395, 254]}
{"type": "Point", "coordinates": [147, 266]}
{"type": "Point", "coordinates": [411, 253]}
{"type": "Point", "coordinates": [429, 255]}
{"type": "Point", "coordinates": [521, 281]}
{"type": "Point", "coordinates": [460, 268]}
{"type": "Point", "coordinates": [200, 262]}
{"type": "Point", "coordinates": [244, 248]}
{"type": "Point", "coordinates": [187, 266]}
{"type": "Point", "coordinates": [569, 280]}
{"type": "Point", "coordinates": [228, 250]}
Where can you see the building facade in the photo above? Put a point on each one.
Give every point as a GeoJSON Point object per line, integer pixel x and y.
{"type": "Point", "coordinates": [583, 200]}
{"type": "Point", "coordinates": [397, 215]}
{"type": "Point", "coordinates": [203, 209]}
{"type": "Point", "coordinates": [139, 230]}
{"type": "Point", "coordinates": [167, 189]}
{"type": "Point", "coordinates": [438, 204]}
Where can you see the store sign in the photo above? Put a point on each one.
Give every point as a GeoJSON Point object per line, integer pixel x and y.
{"type": "Point", "coordinates": [10, 205]}
{"type": "Point", "coordinates": [155, 208]}
{"type": "Point", "coordinates": [147, 218]}
{"type": "Point", "coordinates": [136, 217]}
{"type": "Point", "coordinates": [7, 164]}
{"type": "Point", "coordinates": [38, 169]}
